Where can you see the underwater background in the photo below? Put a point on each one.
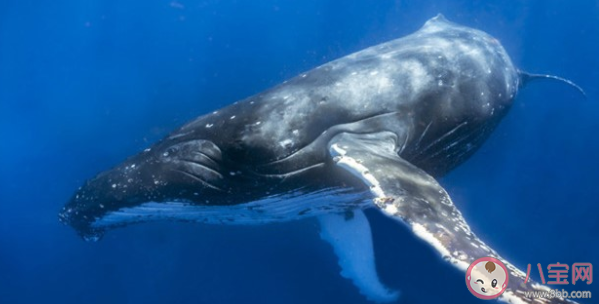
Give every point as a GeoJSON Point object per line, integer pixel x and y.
{"type": "Point", "coordinates": [84, 84]}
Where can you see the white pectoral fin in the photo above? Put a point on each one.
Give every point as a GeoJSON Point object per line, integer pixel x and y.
{"type": "Point", "coordinates": [410, 195]}
{"type": "Point", "coordinates": [350, 236]}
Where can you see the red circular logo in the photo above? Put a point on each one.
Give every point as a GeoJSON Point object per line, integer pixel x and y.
{"type": "Point", "coordinates": [487, 278]}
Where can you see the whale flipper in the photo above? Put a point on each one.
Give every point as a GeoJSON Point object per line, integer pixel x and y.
{"type": "Point", "coordinates": [350, 236]}
{"type": "Point", "coordinates": [407, 193]}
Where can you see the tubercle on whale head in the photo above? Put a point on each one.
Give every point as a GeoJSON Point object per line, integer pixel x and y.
{"type": "Point", "coordinates": [87, 233]}
{"type": "Point", "coordinates": [99, 195]}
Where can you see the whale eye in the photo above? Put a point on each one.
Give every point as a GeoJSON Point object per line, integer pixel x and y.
{"type": "Point", "coordinates": [494, 283]}
{"type": "Point", "coordinates": [481, 281]}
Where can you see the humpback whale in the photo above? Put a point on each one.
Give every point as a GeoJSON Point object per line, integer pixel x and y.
{"type": "Point", "coordinates": [374, 129]}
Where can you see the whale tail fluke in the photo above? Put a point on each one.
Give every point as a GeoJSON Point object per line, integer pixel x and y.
{"type": "Point", "coordinates": [525, 78]}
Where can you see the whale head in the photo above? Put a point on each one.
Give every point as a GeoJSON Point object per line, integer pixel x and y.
{"type": "Point", "coordinates": [172, 170]}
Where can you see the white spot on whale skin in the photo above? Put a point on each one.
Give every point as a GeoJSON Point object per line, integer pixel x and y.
{"type": "Point", "coordinates": [233, 117]}
{"type": "Point", "coordinates": [391, 209]}
{"type": "Point", "coordinates": [287, 143]}
{"type": "Point", "coordinates": [419, 77]}
{"type": "Point", "coordinates": [209, 125]}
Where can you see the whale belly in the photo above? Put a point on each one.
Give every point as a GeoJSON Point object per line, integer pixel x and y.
{"type": "Point", "coordinates": [271, 209]}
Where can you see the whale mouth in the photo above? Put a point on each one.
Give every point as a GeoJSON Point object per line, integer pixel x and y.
{"type": "Point", "coordinates": [70, 216]}
{"type": "Point", "coordinates": [483, 289]}
{"type": "Point", "coordinates": [186, 171]}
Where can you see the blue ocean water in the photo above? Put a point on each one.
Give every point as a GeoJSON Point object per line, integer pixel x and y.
{"type": "Point", "coordinates": [84, 84]}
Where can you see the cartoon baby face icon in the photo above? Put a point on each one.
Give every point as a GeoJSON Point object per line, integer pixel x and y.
{"type": "Point", "coordinates": [487, 278]}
